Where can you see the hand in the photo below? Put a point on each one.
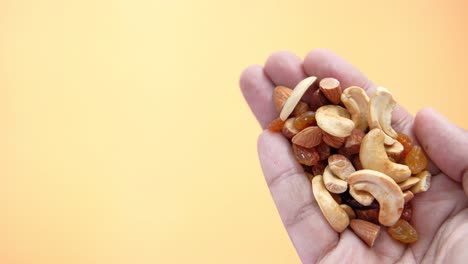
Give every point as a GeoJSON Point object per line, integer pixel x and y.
{"type": "Point", "coordinates": [440, 215]}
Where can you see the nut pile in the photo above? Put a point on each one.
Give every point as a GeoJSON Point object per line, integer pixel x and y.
{"type": "Point", "coordinates": [363, 173]}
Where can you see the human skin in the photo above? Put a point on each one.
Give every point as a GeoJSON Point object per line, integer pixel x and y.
{"type": "Point", "coordinates": [440, 215]}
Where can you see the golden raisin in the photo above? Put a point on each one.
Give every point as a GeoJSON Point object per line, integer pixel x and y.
{"type": "Point", "coordinates": [407, 143]}
{"type": "Point", "coordinates": [304, 120]}
{"type": "Point", "coordinates": [276, 125]}
{"type": "Point", "coordinates": [306, 156]}
{"type": "Point", "coordinates": [403, 232]}
{"type": "Point", "coordinates": [416, 160]}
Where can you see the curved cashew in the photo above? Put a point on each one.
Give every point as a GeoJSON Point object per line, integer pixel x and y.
{"type": "Point", "coordinates": [296, 96]}
{"type": "Point", "coordinates": [333, 183]}
{"type": "Point", "coordinates": [335, 120]}
{"type": "Point", "coordinates": [357, 102]}
{"type": "Point", "coordinates": [381, 106]}
{"type": "Point", "coordinates": [340, 166]}
{"type": "Point", "coordinates": [335, 215]}
{"type": "Point", "coordinates": [424, 182]}
{"type": "Point", "coordinates": [410, 182]}
{"type": "Point", "coordinates": [395, 149]}
{"type": "Point", "coordinates": [361, 197]}
{"type": "Point", "coordinates": [384, 189]}
{"type": "Point", "coordinates": [374, 157]}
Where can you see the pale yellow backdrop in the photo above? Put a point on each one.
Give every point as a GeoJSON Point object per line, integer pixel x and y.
{"type": "Point", "coordinates": [125, 139]}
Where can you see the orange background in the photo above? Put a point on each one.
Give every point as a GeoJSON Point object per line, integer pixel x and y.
{"type": "Point", "coordinates": [125, 138]}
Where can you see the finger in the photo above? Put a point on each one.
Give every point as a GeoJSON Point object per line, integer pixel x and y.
{"type": "Point", "coordinates": [324, 63]}
{"type": "Point", "coordinates": [445, 143]}
{"type": "Point", "coordinates": [292, 193]}
{"type": "Point", "coordinates": [257, 89]}
{"type": "Point", "coordinates": [285, 68]}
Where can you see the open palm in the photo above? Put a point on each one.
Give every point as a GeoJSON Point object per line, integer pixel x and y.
{"type": "Point", "coordinates": [440, 215]}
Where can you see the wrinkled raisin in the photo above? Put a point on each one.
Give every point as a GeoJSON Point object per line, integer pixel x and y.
{"type": "Point", "coordinates": [304, 120]}
{"type": "Point", "coordinates": [306, 156]}
{"type": "Point", "coordinates": [416, 160]}
{"type": "Point", "coordinates": [276, 125]}
{"type": "Point", "coordinates": [403, 232]}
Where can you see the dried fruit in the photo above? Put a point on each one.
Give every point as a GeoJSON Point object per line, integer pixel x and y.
{"type": "Point", "coordinates": [416, 160]}
{"type": "Point", "coordinates": [276, 125]}
{"type": "Point", "coordinates": [407, 143]}
{"type": "Point", "coordinates": [306, 156]}
{"type": "Point", "coordinates": [306, 119]}
{"type": "Point", "coordinates": [403, 232]}
{"type": "Point", "coordinates": [289, 130]}
{"type": "Point", "coordinates": [357, 163]}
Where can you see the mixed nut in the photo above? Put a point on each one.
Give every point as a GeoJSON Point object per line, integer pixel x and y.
{"type": "Point", "coordinates": [363, 173]}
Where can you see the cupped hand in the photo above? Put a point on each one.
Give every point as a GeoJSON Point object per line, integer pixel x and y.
{"type": "Point", "coordinates": [440, 215]}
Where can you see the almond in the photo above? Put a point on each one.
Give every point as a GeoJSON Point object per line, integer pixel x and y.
{"type": "Point", "coordinates": [366, 231]}
{"type": "Point", "coordinates": [332, 141]}
{"type": "Point", "coordinates": [309, 137]}
{"type": "Point", "coordinates": [317, 100]}
{"type": "Point", "coordinates": [330, 87]}
{"type": "Point", "coordinates": [352, 143]}
{"type": "Point", "coordinates": [371, 215]}
{"type": "Point", "coordinates": [281, 94]}
{"type": "Point", "coordinates": [289, 130]}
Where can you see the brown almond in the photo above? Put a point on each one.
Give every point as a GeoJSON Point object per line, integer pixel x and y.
{"type": "Point", "coordinates": [366, 231]}
{"type": "Point", "coordinates": [340, 166]}
{"type": "Point", "coordinates": [317, 100]}
{"type": "Point", "coordinates": [371, 215]}
{"type": "Point", "coordinates": [330, 87]}
{"type": "Point", "coordinates": [281, 94]}
{"type": "Point", "coordinates": [352, 143]}
{"type": "Point", "coordinates": [309, 137]}
{"type": "Point", "coordinates": [324, 151]}
{"type": "Point", "coordinates": [332, 141]}
{"type": "Point", "coordinates": [289, 130]}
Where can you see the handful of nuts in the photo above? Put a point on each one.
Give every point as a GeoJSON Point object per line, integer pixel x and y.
{"type": "Point", "coordinates": [363, 173]}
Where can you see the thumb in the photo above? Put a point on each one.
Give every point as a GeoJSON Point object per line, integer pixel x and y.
{"type": "Point", "coordinates": [445, 143]}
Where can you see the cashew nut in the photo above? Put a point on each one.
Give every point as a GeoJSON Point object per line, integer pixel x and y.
{"type": "Point", "coordinates": [340, 166]}
{"type": "Point", "coordinates": [410, 182]}
{"type": "Point", "coordinates": [408, 195]}
{"type": "Point", "coordinates": [335, 215]}
{"type": "Point", "coordinates": [296, 96]}
{"type": "Point", "coordinates": [395, 149]}
{"type": "Point", "coordinates": [384, 189]}
{"type": "Point", "coordinates": [374, 157]}
{"type": "Point", "coordinates": [333, 183]}
{"type": "Point", "coordinates": [361, 197]}
{"type": "Point", "coordinates": [357, 102]}
{"type": "Point", "coordinates": [424, 182]}
{"type": "Point", "coordinates": [335, 120]}
{"type": "Point", "coordinates": [381, 105]}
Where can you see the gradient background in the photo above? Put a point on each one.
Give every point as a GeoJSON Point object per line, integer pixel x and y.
{"type": "Point", "coordinates": [125, 138]}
